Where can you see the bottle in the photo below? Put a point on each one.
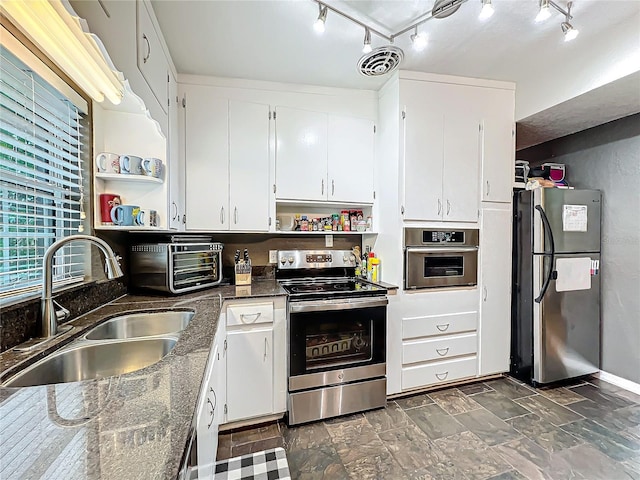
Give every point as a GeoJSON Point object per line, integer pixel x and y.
{"type": "Point", "coordinates": [375, 269]}
{"type": "Point", "coordinates": [372, 257]}
{"type": "Point", "coordinates": [304, 224]}
{"type": "Point", "coordinates": [363, 268]}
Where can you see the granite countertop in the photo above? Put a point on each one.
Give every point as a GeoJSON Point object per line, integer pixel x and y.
{"type": "Point", "coordinates": [130, 426]}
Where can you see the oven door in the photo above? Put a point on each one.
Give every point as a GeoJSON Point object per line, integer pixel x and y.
{"type": "Point", "coordinates": [336, 341]}
{"type": "Point", "coordinates": [440, 267]}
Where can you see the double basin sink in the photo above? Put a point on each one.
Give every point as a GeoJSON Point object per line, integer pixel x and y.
{"type": "Point", "coordinates": [120, 345]}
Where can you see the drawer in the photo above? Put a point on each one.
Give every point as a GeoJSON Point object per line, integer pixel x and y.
{"type": "Point", "coordinates": [439, 372]}
{"type": "Point", "coordinates": [249, 314]}
{"type": "Point", "coordinates": [429, 325]}
{"type": "Point", "coordinates": [439, 348]}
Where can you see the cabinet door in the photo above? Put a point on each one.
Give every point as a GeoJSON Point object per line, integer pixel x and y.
{"type": "Point", "coordinates": [462, 139]}
{"type": "Point", "coordinates": [350, 164]}
{"type": "Point", "coordinates": [151, 59]}
{"type": "Point", "coordinates": [495, 290]}
{"type": "Point", "coordinates": [498, 158]}
{"type": "Point", "coordinates": [250, 373]}
{"type": "Point", "coordinates": [174, 173]}
{"type": "Point", "coordinates": [206, 136]}
{"type": "Point", "coordinates": [207, 422]}
{"type": "Point", "coordinates": [248, 166]}
{"type": "Point", "coordinates": [301, 154]}
{"type": "Point", "coordinates": [423, 127]}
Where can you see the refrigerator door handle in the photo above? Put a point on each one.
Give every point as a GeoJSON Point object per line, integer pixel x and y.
{"type": "Point", "coordinates": [551, 274]}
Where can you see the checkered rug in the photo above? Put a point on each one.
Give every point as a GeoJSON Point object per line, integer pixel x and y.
{"type": "Point", "coordinates": [266, 465]}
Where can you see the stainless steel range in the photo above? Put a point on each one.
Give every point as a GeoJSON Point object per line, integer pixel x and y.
{"type": "Point", "coordinates": [337, 335]}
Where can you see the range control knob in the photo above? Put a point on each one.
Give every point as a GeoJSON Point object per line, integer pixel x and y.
{"type": "Point", "coordinates": [345, 259]}
{"type": "Point", "coordinates": [290, 260]}
{"type": "Point", "coordinates": [352, 258]}
{"type": "Point", "coordinates": [283, 260]}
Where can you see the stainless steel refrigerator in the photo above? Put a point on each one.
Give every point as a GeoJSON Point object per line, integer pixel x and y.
{"type": "Point", "coordinates": [556, 291]}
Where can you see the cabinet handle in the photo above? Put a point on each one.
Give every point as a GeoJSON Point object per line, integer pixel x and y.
{"type": "Point", "coordinates": [322, 187]}
{"type": "Point", "coordinates": [222, 214]}
{"type": "Point", "coordinates": [444, 326]}
{"type": "Point", "coordinates": [146, 57]}
{"type": "Point", "coordinates": [484, 294]}
{"type": "Point", "coordinates": [448, 207]}
{"type": "Point", "coordinates": [333, 187]}
{"type": "Point", "coordinates": [235, 215]}
{"type": "Point", "coordinates": [445, 350]}
{"type": "Point", "coordinates": [213, 407]}
{"type": "Point", "coordinates": [439, 206]}
{"type": "Point", "coordinates": [265, 348]}
{"type": "Point", "coordinates": [488, 188]}
{"type": "Point", "coordinates": [247, 315]}
{"type": "Point", "coordinates": [175, 214]}
{"type": "Point", "coordinates": [444, 375]}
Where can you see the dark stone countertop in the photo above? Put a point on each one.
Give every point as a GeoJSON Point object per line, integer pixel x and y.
{"type": "Point", "coordinates": [133, 426]}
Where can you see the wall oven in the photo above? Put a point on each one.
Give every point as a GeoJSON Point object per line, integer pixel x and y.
{"type": "Point", "coordinates": [440, 258]}
{"type": "Point", "coordinates": [337, 336]}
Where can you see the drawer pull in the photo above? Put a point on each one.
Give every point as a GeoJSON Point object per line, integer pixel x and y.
{"type": "Point", "coordinates": [247, 315]}
{"type": "Point", "coordinates": [442, 376]}
{"type": "Point", "coordinates": [442, 351]}
{"type": "Point", "coordinates": [442, 327]}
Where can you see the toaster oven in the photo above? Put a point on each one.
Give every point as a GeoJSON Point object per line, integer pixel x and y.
{"type": "Point", "coordinates": [176, 267]}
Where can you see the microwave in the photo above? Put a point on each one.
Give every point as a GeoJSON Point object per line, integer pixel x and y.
{"type": "Point", "coordinates": [440, 258]}
{"type": "Point", "coordinates": [176, 267]}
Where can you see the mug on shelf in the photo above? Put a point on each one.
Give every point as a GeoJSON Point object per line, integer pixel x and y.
{"type": "Point", "coordinates": [131, 165]}
{"type": "Point", "coordinates": [107, 202]}
{"type": "Point", "coordinates": [124, 215]}
{"type": "Point", "coordinates": [152, 167]}
{"type": "Point", "coordinates": [146, 218]}
{"type": "Point", "coordinates": [108, 162]}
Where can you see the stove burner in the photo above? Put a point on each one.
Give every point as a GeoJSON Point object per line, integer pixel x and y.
{"type": "Point", "coordinates": [343, 286]}
{"type": "Point", "coordinates": [307, 288]}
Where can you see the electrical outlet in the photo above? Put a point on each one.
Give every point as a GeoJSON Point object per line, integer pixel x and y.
{"type": "Point", "coordinates": [273, 256]}
{"type": "Point", "coordinates": [328, 240]}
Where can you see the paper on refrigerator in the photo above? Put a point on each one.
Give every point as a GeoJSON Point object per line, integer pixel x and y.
{"type": "Point", "coordinates": [573, 274]}
{"type": "Point", "coordinates": [574, 218]}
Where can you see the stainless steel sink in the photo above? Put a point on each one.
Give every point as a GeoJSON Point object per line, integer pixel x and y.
{"type": "Point", "coordinates": [97, 360]}
{"type": "Point", "coordinates": [146, 324]}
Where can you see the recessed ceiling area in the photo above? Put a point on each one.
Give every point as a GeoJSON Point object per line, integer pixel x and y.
{"type": "Point", "coordinates": [274, 40]}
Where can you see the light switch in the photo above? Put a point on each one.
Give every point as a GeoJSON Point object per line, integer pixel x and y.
{"type": "Point", "coordinates": [273, 256]}
{"type": "Point", "coordinates": [328, 240]}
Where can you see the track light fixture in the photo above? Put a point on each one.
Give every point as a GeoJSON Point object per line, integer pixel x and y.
{"type": "Point", "coordinates": [569, 32]}
{"type": "Point", "coordinates": [322, 18]}
{"type": "Point", "coordinates": [366, 48]}
{"type": "Point", "coordinates": [545, 11]}
{"type": "Point", "coordinates": [418, 40]}
{"type": "Point", "coordinates": [487, 10]}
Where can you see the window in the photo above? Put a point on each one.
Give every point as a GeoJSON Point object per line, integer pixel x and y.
{"type": "Point", "coordinates": [43, 140]}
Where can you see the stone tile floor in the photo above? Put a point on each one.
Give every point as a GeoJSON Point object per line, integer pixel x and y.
{"type": "Point", "coordinates": [499, 429]}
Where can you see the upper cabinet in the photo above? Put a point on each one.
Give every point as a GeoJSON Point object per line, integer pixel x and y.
{"type": "Point", "coordinates": [152, 62]}
{"type": "Point", "coordinates": [322, 157]}
{"type": "Point", "coordinates": [226, 162]}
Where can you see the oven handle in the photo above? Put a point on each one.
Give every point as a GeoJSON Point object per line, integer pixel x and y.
{"type": "Point", "coordinates": [338, 304]}
{"type": "Point", "coordinates": [441, 249]}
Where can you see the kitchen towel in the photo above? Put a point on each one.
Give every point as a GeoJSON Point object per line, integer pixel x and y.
{"type": "Point", "coordinates": [573, 274]}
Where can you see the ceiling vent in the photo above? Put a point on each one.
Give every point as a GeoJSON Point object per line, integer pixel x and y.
{"type": "Point", "coordinates": [444, 8]}
{"type": "Point", "coordinates": [380, 61]}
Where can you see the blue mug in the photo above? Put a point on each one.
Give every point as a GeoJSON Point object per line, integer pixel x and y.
{"type": "Point", "coordinates": [131, 165]}
{"type": "Point", "coordinates": [125, 215]}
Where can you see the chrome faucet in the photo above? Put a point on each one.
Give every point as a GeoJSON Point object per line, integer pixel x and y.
{"type": "Point", "coordinates": [50, 316]}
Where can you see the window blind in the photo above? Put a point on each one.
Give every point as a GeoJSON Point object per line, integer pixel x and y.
{"type": "Point", "coordinates": [41, 179]}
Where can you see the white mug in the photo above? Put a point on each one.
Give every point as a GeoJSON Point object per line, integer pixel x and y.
{"type": "Point", "coordinates": [130, 164]}
{"type": "Point", "coordinates": [108, 162]}
{"type": "Point", "coordinates": [146, 218]}
{"type": "Point", "coordinates": [152, 167]}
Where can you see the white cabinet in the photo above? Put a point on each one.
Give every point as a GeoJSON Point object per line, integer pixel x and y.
{"type": "Point", "coordinates": [442, 141]}
{"type": "Point", "coordinates": [495, 288]}
{"type": "Point", "coordinates": [322, 157]}
{"type": "Point", "coordinates": [255, 358]}
{"type": "Point", "coordinates": [175, 160]}
{"type": "Point", "coordinates": [150, 56]}
{"type": "Point", "coordinates": [226, 162]}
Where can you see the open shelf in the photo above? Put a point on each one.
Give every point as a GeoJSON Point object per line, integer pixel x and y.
{"type": "Point", "coordinates": [323, 232]}
{"type": "Point", "coordinates": [128, 178]}
{"type": "Point", "coordinates": [129, 228]}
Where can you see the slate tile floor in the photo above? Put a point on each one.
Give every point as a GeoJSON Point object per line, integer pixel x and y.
{"type": "Point", "coordinates": [493, 430]}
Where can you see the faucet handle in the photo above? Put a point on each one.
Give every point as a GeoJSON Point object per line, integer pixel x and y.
{"type": "Point", "coordinates": [61, 313]}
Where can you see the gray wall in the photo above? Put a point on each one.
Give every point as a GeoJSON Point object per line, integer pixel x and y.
{"type": "Point", "coordinates": [608, 158]}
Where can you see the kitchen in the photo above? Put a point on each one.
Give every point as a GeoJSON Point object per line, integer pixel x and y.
{"type": "Point", "coordinates": [238, 113]}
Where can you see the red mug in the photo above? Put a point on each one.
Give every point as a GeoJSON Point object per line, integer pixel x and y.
{"type": "Point", "coordinates": [107, 202]}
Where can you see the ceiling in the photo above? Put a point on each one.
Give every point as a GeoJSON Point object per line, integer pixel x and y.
{"type": "Point", "coordinates": [273, 40]}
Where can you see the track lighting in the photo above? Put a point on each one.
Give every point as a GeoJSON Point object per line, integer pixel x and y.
{"type": "Point", "coordinates": [487, 10]}
{"type": "Point", "coordinates": [322, 18]}
{"type": "Point", "coordinates": [569, 32]}
{"type": "Point", "coordinates": [545, 11]}
{"type": "Point", "coordinates": [419, 40]}
{"type": "Point", "coordinates": [366, 48]}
